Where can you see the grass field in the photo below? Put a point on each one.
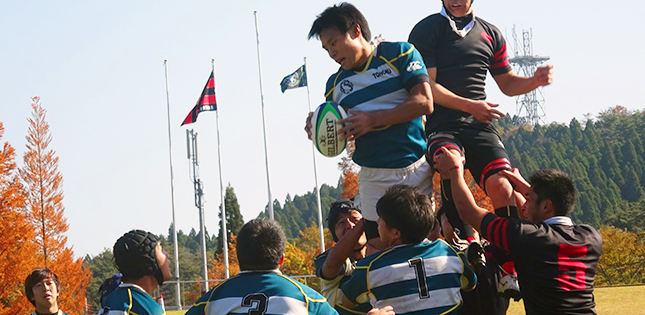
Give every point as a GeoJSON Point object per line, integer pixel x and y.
{"type": "Point", "coordinates": [609, 301]}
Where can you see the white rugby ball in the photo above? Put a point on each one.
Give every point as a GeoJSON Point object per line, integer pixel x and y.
{"type": "Point", "coordinates": [324, 128]}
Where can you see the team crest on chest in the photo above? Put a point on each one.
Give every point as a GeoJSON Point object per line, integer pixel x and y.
{"type": "Point", "coordinates": [346, 86]}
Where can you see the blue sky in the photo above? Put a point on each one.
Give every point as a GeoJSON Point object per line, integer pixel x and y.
{"type": "Point", "coordinates": [98, 68]}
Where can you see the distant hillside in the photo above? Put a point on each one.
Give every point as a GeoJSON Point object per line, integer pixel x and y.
{"type": "Point", "coordinates": [605, 158]}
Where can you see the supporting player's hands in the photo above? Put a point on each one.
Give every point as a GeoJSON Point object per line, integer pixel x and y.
{"type": "Point", "coordinates": [544, 75]}
{"type": "Point", "coordinates": [388, 310]}
{"type": "Point", "coordinates": [485, 111]}
{"type": "Point", "coordinates": [356, 125]}
{"type": "Point", "coordinates": [308, 125]}
{"type": "Point", "coordinates": [447, 161]}
{"type": "Point", "coordinates": [519, 183]}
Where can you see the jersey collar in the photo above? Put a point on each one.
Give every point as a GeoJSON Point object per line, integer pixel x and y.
{"type": "Point", "coordinates": [561, 220]}
{"type": "Point", "coordinates": [463, 31]}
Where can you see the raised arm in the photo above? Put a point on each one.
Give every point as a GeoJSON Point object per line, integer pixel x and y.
{"type": "Point", "coordinates": [338, 254]}
{"type": "Point", "coordinates": [419, 103]}
{"type": "Point", "coordinates": [451, 166]}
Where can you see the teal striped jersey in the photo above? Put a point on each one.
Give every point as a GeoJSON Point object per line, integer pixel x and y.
{"type": "Point", "coordinates": [331, 287]}
{"type": "Point", "coordinates": [425, 278]}
{"type": "Point", "coordinates": [129, 299]}
{"type": "Point", "coordinates": [265, 292]}
{"type": "Point", "coordinates": [392, 70]}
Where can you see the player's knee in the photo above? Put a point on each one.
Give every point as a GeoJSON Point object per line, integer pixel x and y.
{"type": "Point", "coordinates": [499, 188]}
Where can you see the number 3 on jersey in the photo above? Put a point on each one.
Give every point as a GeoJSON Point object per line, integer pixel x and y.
{"type": "Point", "coordinates": [258, 303]}
{"type": "Point", "coordinates": [420, 271]}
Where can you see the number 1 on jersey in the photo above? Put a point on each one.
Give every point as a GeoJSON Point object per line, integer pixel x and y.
{"type": "Point", "coordinates": [420, 271]}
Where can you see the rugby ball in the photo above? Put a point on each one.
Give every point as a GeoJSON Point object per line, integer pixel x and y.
{"type": "Point", "coordinates": [324, 128]}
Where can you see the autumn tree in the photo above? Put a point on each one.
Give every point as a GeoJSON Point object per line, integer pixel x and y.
{"type": "Point", "coordinates": [623, 257]}
{"type": "Point", "coordinates": [17, 257]}
{"type": "Point", "coordinates": [349, 171]}
{"type": "Point", "coordinates": [45, 211]}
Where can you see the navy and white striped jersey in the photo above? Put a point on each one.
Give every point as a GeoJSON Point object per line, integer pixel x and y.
{"type": "Point", "coordinates": [425, 278]}
{"type": "Point", "coordinates": [261, 292]}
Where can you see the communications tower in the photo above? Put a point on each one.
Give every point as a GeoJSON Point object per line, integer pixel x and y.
{"type": "Point", "coordinates": [529, 107]}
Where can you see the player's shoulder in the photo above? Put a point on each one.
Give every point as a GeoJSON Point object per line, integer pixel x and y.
{"type": "Point", "coordinates": [488, 26]}
{"type": "Point", "coordinates": [426, 24]}
{"type": "Point", "coordinates": [393, 50]}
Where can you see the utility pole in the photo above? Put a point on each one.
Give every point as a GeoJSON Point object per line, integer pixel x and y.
{"type": "Point", "coordinates": [193, 155]}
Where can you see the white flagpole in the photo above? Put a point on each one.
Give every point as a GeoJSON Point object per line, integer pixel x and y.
{"type": "Point", "coordinates": [266, 152]}
{"type": "Point", "coordinates": [172, 192]}
{"type": "Point", "coordinates": [313, 150]}
{"type": "Point", "coordinates": [221, 187]}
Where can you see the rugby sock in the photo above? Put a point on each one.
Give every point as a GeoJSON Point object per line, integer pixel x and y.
{"type": "Point", "coordinates": [507, 212]}
{"type": "Point", "coordinates": [463, 229]}
{"type": "Point", "coordinates": [509, 267]}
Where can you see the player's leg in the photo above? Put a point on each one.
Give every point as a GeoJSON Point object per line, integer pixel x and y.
{"type": "Point", "coordinates": [488, 159]}
{"type": "Point", "coordinates": [372, 184]}
{"type": "Point", "coordinates": [474, 251]}
{"type": "Point", "coordinates": [485, 157]}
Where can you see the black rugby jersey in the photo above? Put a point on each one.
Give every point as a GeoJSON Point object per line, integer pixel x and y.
{"type": "Point", "coordinates": [462, 63]}
{"type": "Point", "coordinates": [556, 263]}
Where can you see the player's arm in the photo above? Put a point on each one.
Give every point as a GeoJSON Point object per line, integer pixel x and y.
{"type": "Point", "coordinates": [451, 166]}
{"type": "Point", "coordinates": [511, 84]}
{"type": "Point", "coordinates": [333, 265]}
{"type": "Point", "coordinates": [482, 110]}
{"type": "Point", "coordinates": [418, 103]}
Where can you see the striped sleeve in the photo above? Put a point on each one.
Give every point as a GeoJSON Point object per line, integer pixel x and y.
{"type": "Point", "coordinates": [502, 232]}
{"type": "Point", "coordinates": [356, 285]}
{"type": "Point", "coordinates": [499, 63]}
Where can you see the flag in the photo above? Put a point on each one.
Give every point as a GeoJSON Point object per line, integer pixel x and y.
{"type": "Point", "coordinates": [294, 80]}
{"type": "Point", "coordinates": [206, 101]}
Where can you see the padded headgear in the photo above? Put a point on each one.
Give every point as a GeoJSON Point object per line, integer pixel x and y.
{"type": "Point", "coordinates": [337, 208]}
{"type": "Point", "coordinates": [135, 255]}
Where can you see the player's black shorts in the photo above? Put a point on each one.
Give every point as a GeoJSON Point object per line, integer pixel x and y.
{"type": "Point", "coordinates": [485, 152]}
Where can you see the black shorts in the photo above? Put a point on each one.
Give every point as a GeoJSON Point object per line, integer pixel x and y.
{"type": "Point", "coordinates": [485, 152]}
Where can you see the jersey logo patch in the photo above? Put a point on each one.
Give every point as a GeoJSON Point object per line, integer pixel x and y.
{"type": "Point", "coordinates": [487, 37]}
{"type": "Point", "coordinates": [346, 86]}
{"type": "Point", "coordinates": [414, 65]}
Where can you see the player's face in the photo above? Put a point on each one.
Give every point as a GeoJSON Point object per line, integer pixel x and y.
{"type": "Point", "coordinates": [458, 8]}
{"type": "Point", "coordinates": [45, 293]}
{"type": "Point", "coordinates": [344, 48]}
{"type": "Point", "coordinates": [346, 222]}
{"type": "Point", "coordinates": [164, 262]}
{"type": "Point", "coordinates": [386, 234]}
{"type": "Point", "coordinates": [532, 210]}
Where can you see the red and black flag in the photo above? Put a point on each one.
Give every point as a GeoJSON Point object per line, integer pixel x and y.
{"type": "Point", "coordinates": [206, 101]}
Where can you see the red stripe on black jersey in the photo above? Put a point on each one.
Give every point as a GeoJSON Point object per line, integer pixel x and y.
{"type": "Point", "coordinates": [504, 240]}
{"type": "Point", "coordinates": [500, 59]}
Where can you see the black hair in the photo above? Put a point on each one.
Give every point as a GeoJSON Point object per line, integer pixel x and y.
{"type": "Point", "coordinates": [135, 255]}
{"type": "Point", "coordinates": [260, 245]}
{"type": "Point", "coordinates": [342, 206]}
{"type": "Point", "coordinates": [556, 186]}
{"type": "Point", "coordinates": [408, 210]}
{"type": "Point", "coordinates": [39, 274]}
{"type": "Point", "coordinates": [342, 17]}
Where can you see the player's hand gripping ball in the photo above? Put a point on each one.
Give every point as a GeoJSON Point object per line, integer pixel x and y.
{"type": "Point", "coordinates": [324, 128]}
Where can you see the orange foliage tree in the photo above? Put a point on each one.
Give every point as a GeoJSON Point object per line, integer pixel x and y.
{"type": "Point", "coordinates": [45, 211]}
{"type": "Point", "coordinates": [17, 257]}
{"type": "Point", "coordinates": [349, 171]}
{"type": "Point", "coordinates": [217, 271]}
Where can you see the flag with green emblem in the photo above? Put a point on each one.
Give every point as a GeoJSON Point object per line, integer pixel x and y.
{"type": "Point", "coordinates": [294, 80]}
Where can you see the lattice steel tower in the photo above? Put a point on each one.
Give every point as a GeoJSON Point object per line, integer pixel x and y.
{"type": "Point", "coordinates": [529, 107]}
